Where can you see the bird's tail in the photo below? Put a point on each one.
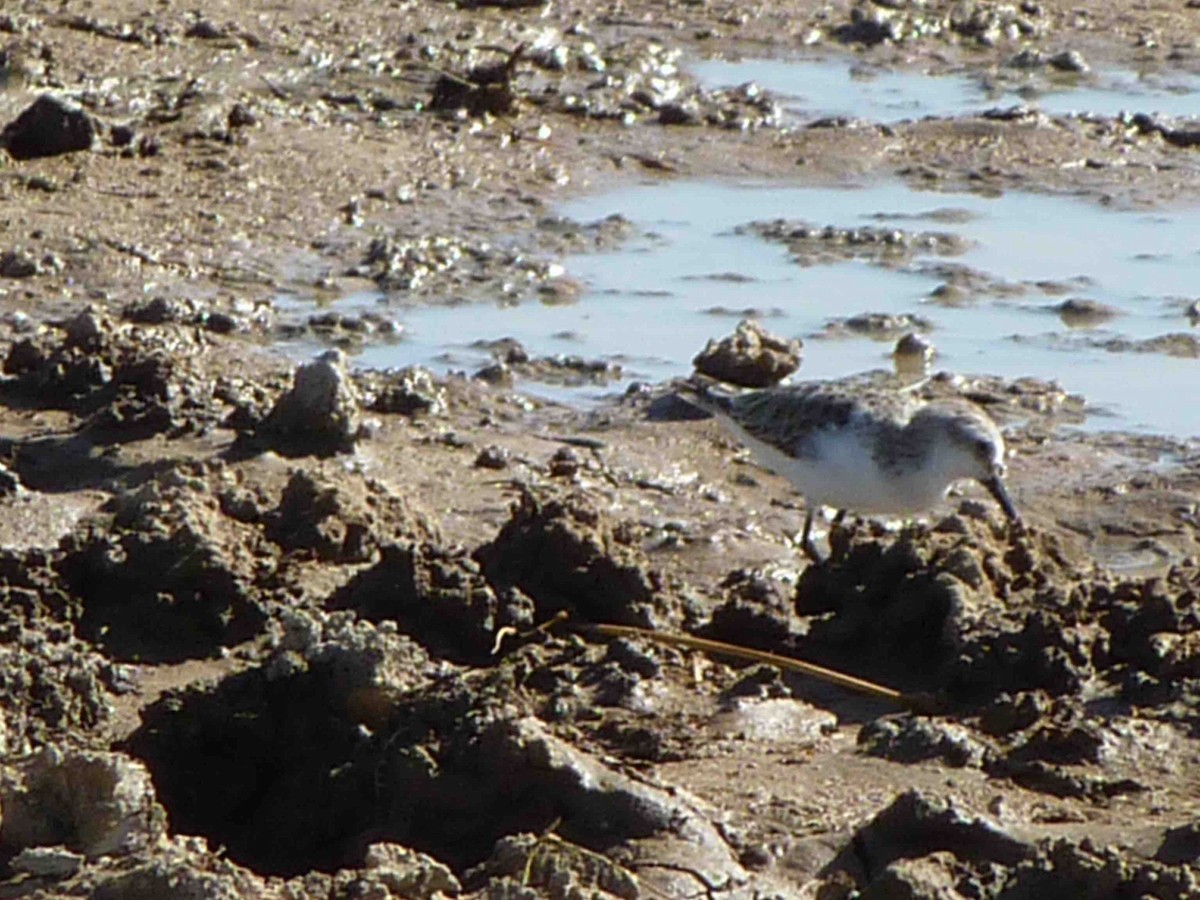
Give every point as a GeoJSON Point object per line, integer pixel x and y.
{"type": "Point", "coordinates": [706, 394]}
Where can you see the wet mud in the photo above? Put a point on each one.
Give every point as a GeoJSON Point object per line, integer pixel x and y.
{"type": "Point", "coordinates": [290, 629]}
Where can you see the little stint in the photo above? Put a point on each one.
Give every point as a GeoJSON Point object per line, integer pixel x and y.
{"type": "Point", "coordinates": [862, 449]}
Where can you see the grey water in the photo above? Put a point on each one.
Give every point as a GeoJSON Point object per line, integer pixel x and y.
{"type": "Point", "coordinates": [819, 88]}
{"type": "Point", "coordinates": [652, 304]}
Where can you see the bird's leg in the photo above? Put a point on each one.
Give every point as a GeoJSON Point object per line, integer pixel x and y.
{"type": "Point", "coordinates": [806, 541]}
{"type": "Point", "coordinates": [834, 527]}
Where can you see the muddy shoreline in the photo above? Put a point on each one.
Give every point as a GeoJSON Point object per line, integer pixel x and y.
{"type": "Point", "coordinates": [271, 628]}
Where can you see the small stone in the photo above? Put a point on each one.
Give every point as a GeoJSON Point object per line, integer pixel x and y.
{"type": "Point", "coordinates": [492, 457]}
{"type": "Point", "coordinates": [1069, 61]}
{"type": "Point", "coordinates": [1079, 312]}
{"type": "Point", "coordinates": [413, 391]}
{"type": "Point", "coordinates": [565, 463]}
{"type": "Point", "coordinates": [912, 355]}
{"type": "Point", "coordinates": [85, 330]}
{"type": "Point", "coordinates": [17, 264]}
{"type": "Point", "coordinates": [220, 323]}
{"type": "Point", "coordinates": [498, 374]}
{"type": "Point", "coordinates": [48, 127]}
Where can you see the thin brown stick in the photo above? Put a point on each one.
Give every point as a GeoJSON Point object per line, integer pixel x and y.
{"type": "Point", "coordinates": [918, 702]}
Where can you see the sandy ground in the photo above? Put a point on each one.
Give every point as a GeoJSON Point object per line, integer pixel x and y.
{"type": "Point", "coordinates": [279, 632]}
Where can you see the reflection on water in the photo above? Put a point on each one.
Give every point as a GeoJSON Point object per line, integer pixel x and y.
{"type": "Point", "coordinates": [818, 88]}
{"type": "Point", "coordinates": [653, 304]}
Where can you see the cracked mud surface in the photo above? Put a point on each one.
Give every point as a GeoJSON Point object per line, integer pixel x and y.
{"type": "Point", "coordinates": [273, 630]}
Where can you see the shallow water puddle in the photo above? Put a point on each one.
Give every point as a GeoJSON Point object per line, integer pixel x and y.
{"type": "Point", "coordinates": [652, 305]}
{"type": "Point", "coordinates": [820, 88]}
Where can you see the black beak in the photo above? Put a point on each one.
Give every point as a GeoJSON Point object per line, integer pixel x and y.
{"type": "Point", "coordinates": [995, 486]}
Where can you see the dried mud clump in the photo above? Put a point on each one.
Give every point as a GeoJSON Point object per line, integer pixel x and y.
{"type": "Point", "coordinates": [527, 861]}
{"type": "Point", "coordinates": [442, 266]}
{"type": "Point", "coordinates": [565, 554]}
{"type": "Point", "coordinates": [757, 612]}
{"type": "Point", "coordinates": [94, 804]}
{"type": "Point", "coordinates": [52, 685]}
{"type": "Point", "coordinates": [750, 357]}
{"type": "Point", "coordinates": [337, 519]}
{"type": "Point", "coordinates": [350, 736]}
{"type": "Point", "coordinates": [128, 380]}
{"type": "Point", "coordinates": [983, 24]}
{"type": "Point", "coordinates": [922, 846]}
{"type": "Point", "coordinates": [1152, 627]}
{"type": "Point", "coordinates": [319, 415]}
{"type": "Point", "coordinates": [811, 245]}
{"type": "Point", "coordinates": [167, 577]}
{"type": "Point", "coordinates": [408, 392]}
{"type": "Point", "coordinates": [954, 608]}
{"type": "Point", "coordinates": [439, 596]}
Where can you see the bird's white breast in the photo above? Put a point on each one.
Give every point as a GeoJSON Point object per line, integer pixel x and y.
{"type": "Point", "coordinates": [840, 471]}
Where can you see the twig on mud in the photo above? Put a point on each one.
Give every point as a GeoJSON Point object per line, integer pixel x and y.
{"type": "Point", "coordinates": [916, 702]}
{"type": "Point", "coordinates": [545, 627]}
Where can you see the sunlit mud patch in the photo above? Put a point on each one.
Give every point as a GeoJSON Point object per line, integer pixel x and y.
{"type": "Point", "coordinates": [350, 736]}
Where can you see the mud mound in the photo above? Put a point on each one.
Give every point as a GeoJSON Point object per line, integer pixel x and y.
{"type": "Point", "coordinates": [566, 554]}
{"type": "Point", "coordinates": [319, 415]}
{"type": "Point", "coordinates": [920, 846]}
{"type": "Point", "coordinates": [343, 519]}
{"type": "Point", "coordinates": [349, 735]}
{"type": "Point", "coordinates": [438, 596]}
{"type": "Point", "coordinates": [52, 685]}
{"type": "Point", "coordinates": [954, 607]}
{"type": "Point", "coordinates": [1152, 628]}
{"type": "Point", "coordinates": [756, 612]}
{"type": "Point", "coordinates": [276, 763]}
{"type": "Point", "coordinates": [170, 577]}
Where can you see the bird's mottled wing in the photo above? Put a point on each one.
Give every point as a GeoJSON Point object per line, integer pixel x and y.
{"type": "Point", "coordinates": [788, 417]}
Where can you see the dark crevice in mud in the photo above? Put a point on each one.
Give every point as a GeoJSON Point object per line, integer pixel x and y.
{"type": "Point", "coordinates": [305, 762]}
{"type": "Point", "coordinates": [162, 602]}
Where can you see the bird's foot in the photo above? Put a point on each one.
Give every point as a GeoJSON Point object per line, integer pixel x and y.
{"type": "Point", "coordinates": [813, 552]}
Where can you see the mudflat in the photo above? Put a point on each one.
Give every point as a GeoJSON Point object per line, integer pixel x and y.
{"type": "Point", "coordinates": [274, 625]}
